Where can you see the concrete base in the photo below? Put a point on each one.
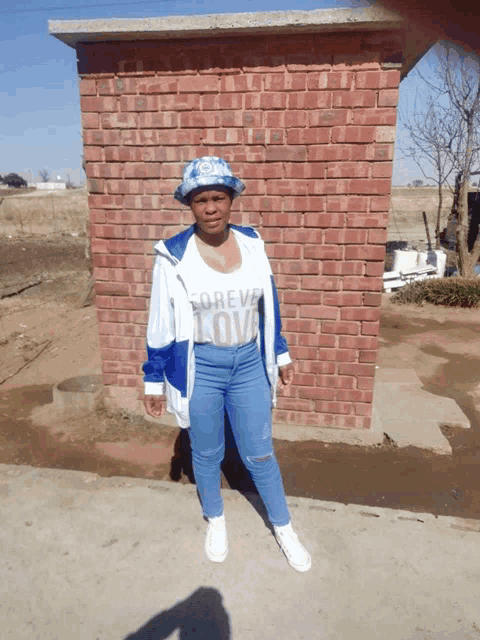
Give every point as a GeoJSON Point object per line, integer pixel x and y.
{"type": "Point", "coordinates": [88, 558]}
{"type": "Point", "coordinates": [411, 416]}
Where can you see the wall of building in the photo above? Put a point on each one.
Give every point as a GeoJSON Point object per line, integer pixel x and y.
{"type": "Point", "coordinates": [308, 123]}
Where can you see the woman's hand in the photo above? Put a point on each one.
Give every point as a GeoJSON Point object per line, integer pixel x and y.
{"type": "Point", "coordinates": [154, 405]}
{"type": "Point", "coordinates": [286, 374]}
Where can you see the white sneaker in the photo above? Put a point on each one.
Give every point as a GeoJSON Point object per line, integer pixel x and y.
{"type": "Point", "coordinates": [216, 545]}
{"type": "Point", "coordinates": [296, 554]}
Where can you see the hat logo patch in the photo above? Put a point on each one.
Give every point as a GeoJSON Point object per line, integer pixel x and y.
{"type": "Point", "coordinates": [205, 167]}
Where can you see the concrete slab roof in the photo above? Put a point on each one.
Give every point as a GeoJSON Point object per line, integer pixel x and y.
{"type": "Point", "coordinates": [72, 32]}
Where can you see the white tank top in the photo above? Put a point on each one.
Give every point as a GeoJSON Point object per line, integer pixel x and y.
{"type": "Point", "coordinates": [225, 305]}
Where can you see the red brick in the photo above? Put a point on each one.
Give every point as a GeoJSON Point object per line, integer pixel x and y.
{"type": "Point", "coordinates": [201, 84]}
{"type": "Point", "coordinates": [368, 252]}
{"type": "Point", "coordinates": [93, 154]}
{"type": "Point", "coordinates": [330, 80]}
{"type": "Point", "coordinates": [372, 299]}
{"type": "Point", "coordinates": [310, 100]}
{"type": "Point", "coordinates": [316, 367]}
{"type": "Point", "coordinates": [334, 407]}
{"type": "Point", "coordinates": [104, 170]}
{"type": "Point", "coordinates": [321, 283]}
{"type": "Point", "coordinates": [112, 289]}
{"type": "Point", "coordinates": [377, 79]}
{"type": "Point", "coordinates": [286, 154]}
{"type": "Point", "coordinates": [379, 203]}
{"type": "Point", "coordinates": [365, 383]}
{"type": "Point", "coordinates": [338, 328]}
{"type": "Point", "coordinates": [300, 326]}
{"type": "Point", "coordinates": [363, 314]}
{"type": "Point", "coordinates": [353, 395]}
{"type": "Point", "coordinates": [90, 120]}
{"type": "Point", "coordinates": [373, 117]}
{"type": "Point", "coordinates": [363, 409]}
{"type": "Point", "coordinates": [377, 236]}
{"type": "Point", "coordinates": [327, 220]}
{"type": "Point", "coordinates": [336, 355]}
{"type": "Point", "coordinates": [337, 268]}
{"type": "Point", "coordinates": [337, 152]}
{"type": "Point", "coordinates": [382, 170]}
{"type": "Point", "coordinates": [388, 98]}
{"type": "Point", "coordinates": [95, 185]}
{"type": "Point", "coordinates": [296, 118]}
{"type": "Point", "coordinates": [303, 297]}
{"type": "Point", "coordinates": [379, 152]}
{"type": "Point", "coordinates": [356, 283]}
{"type": "Point", "coordinates": [347, 203]}
{"type": "Point", "coordinates": [285, 251]}
{"type": "Point", "coordinates": [348, 170]}
{"type": "Point", "coordinates": [323, 252]}
{"type": "Point", "coordinates": [342, 299]}
{"type": "Point", "coordinates": [161, 120]}
{"type": "Point", "coordinates": [308, 136]}
{"type": "Point", "coordinates": [288, 187]}
{"type": "Point", "coordinates": [285, 82]}
{"type": "Point", "coordinates": [294, 404]}
{"type": "Point", "coordinates": [327, 117]}
{"type": "Point", "coordinates": [241, 83]}
{"type": "Point", "coordinates": [374, 269]}
{"type": "Point", "coordinates": [317, 393]}
{"type": "Point", "coordinates": [118, 120]}
{"type": "Point", "coordinates": [98, 104]}
{"type": "Point", "coordinates": [282, 219]}
{"type": "Point", "coordinates": [353, 99]}
{"type": "Point", "coordinates": [165, 84]}
{"type": "Point", "coordinates": [362, 221]}
{"type": "Point", "coordinates": [351, 134]}
{"type": "Point", "coordinates": [87, 87]}
{"type": "Point", "coordinates": [303, 236]}
{"type": "Point", "coordinates": [304, 203]}
{"type": "Point", "coordinates": [103, 138]}
{"type": "Point", "coordinates": [142, 170]}
{"type": "Point", "coordinates": [345, 236]}
{"type": "Point", "coordinates": [319, 312]}
{"type": "Point", "coordinates": [353, 369]}
{"type": "Point", "coordinates": [304, 353]}
{"type": "Point", "coordinates": [358, 342]}
{"type": "Point", "coordinates": [370, 328]}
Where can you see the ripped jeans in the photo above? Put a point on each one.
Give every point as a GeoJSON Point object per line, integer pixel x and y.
{"type": "Point", "coordinates": [233, 379]}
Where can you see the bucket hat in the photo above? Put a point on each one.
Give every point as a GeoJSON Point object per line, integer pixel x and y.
{"type": "Point", "coordinates": [205, 172]}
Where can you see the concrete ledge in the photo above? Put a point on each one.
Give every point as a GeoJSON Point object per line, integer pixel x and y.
{"type": "Point", "coordinates": [324, 434]}
{"type": "Point", "coordinates": [72, 32]}
{"type": "Point", "coordinates": [411, 416]}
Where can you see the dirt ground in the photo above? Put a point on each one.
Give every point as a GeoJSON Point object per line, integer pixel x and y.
{"type": "Point", "coordinates": [46, 337]}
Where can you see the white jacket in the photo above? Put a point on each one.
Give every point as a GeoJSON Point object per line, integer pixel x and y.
{"type": "Point", "coordinates": [170, 368]}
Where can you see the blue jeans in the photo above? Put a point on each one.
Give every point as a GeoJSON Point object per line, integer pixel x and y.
{"type": "Point", "coordinates": [234, 379]}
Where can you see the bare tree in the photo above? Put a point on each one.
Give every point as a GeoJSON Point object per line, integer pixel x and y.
{"type": "Point", "coordinates": [445, 136]}
{"type": "Point", "coordinates": [431, 129]}
{"type": "Point", "coordinates": [44, 175]}
{"type": "Point", "coordinates": [460, 73]}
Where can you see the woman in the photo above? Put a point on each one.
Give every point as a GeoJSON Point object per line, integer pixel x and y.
{"type": "Point", "coordinates": [214, 345]}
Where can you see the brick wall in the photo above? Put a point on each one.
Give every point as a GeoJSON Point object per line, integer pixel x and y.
{"type": "Point", "coordinates": [308, 123]}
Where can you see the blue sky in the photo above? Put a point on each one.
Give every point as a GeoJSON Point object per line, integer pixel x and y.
{"type": "Point", "coordinates": [39, 103]}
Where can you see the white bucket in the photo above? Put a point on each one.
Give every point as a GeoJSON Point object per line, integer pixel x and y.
{"type": "Point", "coordinates": [404, 260]}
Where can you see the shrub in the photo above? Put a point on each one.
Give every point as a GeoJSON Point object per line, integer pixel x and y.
{"type": "Point", "coordinates": [447, 292]}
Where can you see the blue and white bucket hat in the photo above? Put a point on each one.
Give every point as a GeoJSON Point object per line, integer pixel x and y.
{"type": "Point", "coordinates": [205, 172]}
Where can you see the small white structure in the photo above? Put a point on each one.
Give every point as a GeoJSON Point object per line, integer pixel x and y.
{"type": "Point", "coordinates": [50, 185]}
{"type": "Point", "coordinates": [409, 266]}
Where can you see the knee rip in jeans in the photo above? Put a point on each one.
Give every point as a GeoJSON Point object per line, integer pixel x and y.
{"type": "Point", "coordinates": [260, 458]}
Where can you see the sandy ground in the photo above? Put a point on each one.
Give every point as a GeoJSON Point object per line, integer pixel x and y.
{"type": "Point", "coordinates": [46, 338]}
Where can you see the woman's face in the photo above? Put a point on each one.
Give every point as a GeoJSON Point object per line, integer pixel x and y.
{"type": "Point", "coordinates": [211, 209]}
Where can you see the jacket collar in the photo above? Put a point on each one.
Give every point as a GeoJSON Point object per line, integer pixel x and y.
{"type": "Point", "coordinates": [177, 245]}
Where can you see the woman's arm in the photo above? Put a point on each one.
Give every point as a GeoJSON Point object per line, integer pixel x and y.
{"type": "Point", "coordinates": [160, 339]}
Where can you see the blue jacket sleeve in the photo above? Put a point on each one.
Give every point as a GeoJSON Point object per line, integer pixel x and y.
{"type": "Point", "coordinates": [160, 330]}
